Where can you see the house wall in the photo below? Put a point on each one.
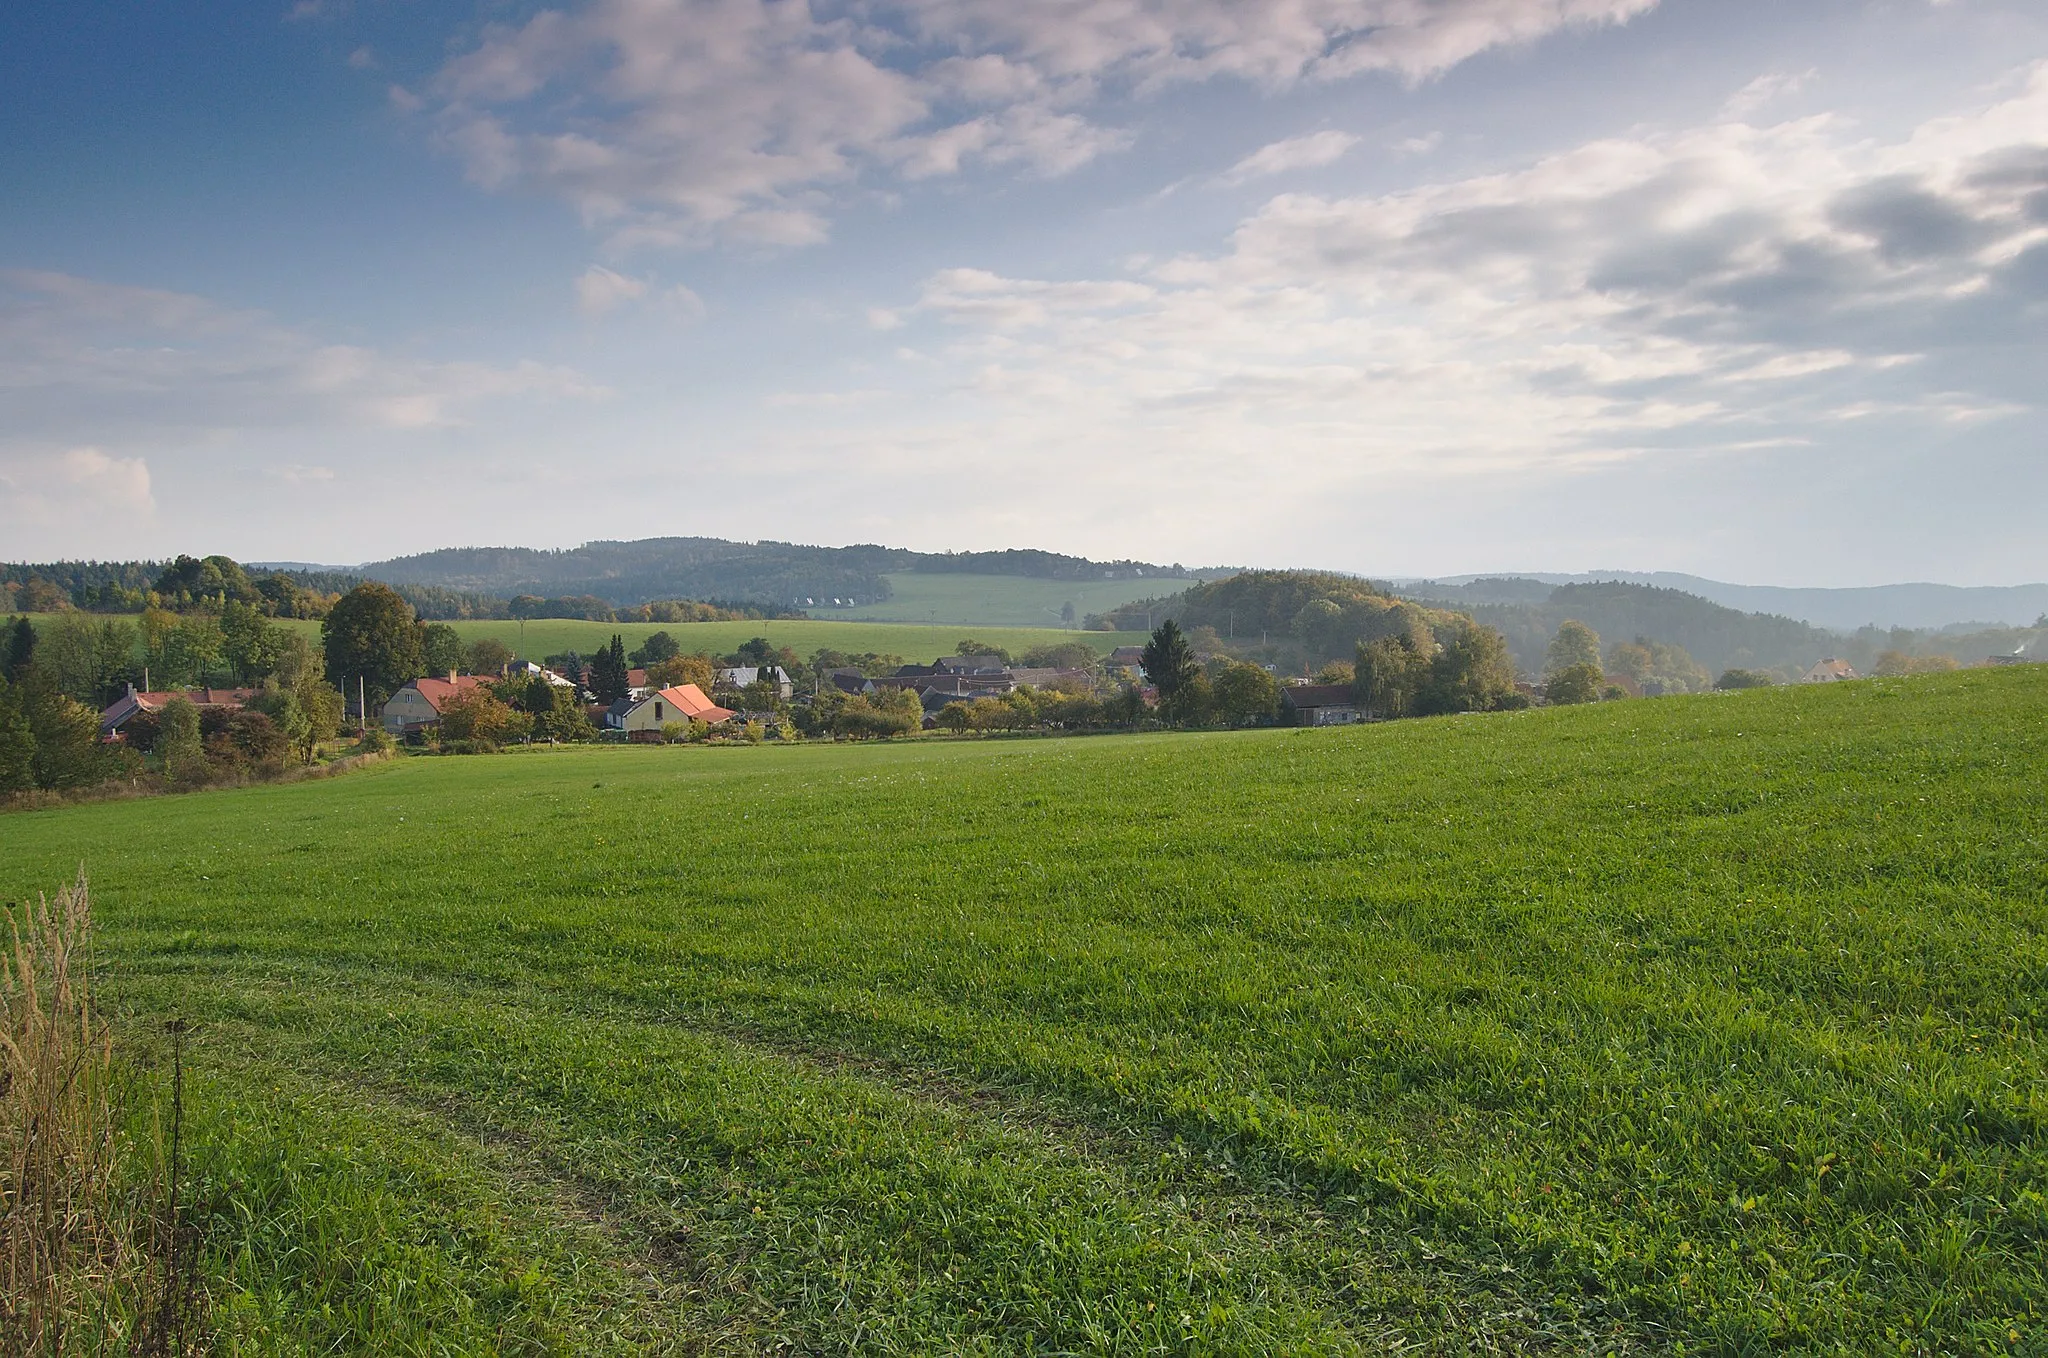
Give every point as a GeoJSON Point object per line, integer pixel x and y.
{"type": "Point", "coordinates": [654, 714]}
{"type": "Point", "coordinates": [408, 707]}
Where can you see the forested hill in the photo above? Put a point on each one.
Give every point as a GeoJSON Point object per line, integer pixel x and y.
{"type": "Point", "coordinates": [712, 568]}
{"type": "Point", "coordinates": [1273, 606]}
{"type": "Point", "coordinates": [1529, 613]}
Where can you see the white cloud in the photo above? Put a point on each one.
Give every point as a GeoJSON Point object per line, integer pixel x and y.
{"type": "Point", "coordinates": [1705, 288]}
{"type": "Point", "coordinates": [1296, 153]}
{"type": "Point", "coordinates": [1764, 90]}
{"type": "Point", "coordinates": [40, 488]}
{"type": "Point", "coordinates": [104, 362]}
{"type": "Point", "coordinates": [672, 122]}
{"type": "Point", "coordinates": [599, 290]}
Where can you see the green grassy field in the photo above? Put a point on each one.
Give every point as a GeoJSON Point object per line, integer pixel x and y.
{"type": "Point", "coordinates": [1710, 1025]}
{"type": "Point", "coordinates": [1002, 600]}
{"type": "Point", "coordinates": [912, 641]}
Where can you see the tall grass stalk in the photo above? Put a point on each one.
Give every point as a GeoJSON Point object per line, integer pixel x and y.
{"type": "Point", "coordinates": [63, 1249]}
{"type": "Point", "coordinates": [95, 1256]}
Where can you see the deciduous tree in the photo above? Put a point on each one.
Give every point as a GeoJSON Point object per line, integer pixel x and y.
{"type": "Point", "coordinates": [1574, 644]}
{"type": "Point", "coordinates": [487, 655]}
{"type": "Point", "coordinates": [369, 635]}
{"type": "Point", "coordinates": [1471, 672]}
{"type": "Point", "coordinates": [658, 647]}
{"type": "Point", "coordinates": [1574, 684]}
{"type": "Point", "coordinates": [1246, 694]}
{"type": "Point", "coordinates": [17, 742]}
{"type": "Point", "coordinates": [1389, 673]}
{"type": "Point", "coordinates": [441, 649]}
{"type": "Point", "coordinates": [178, 743]}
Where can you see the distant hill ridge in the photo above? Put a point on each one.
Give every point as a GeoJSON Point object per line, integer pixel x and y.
{"type": "Point", "coordinates": [782, 573]}
{"type": "Point", "coordinates": [1915, 605]}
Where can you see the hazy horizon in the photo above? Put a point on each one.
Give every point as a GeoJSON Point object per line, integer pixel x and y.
{"type": "Point", "coordinates": [1743, 291]}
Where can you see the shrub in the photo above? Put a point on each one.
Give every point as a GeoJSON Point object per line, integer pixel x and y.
{"type": "Point", "coordinates": [1736, 679]}
{"type": "Point", "coordinates": [1574, 684]}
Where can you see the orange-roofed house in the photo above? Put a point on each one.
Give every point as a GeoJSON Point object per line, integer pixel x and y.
{"type": "Point", "coordinates": [417, 706]}
{"type": "Point", "coordinates": [677, 704]}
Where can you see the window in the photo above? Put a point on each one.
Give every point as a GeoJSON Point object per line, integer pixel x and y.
{"type": "Point", "coordinates": [657, 709]}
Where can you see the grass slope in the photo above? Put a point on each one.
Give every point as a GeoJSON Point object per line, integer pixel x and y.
{"type": "Point", "coordinates": [1705, 1024]}
{"type": "Point", "coordinates": [1004, 600]}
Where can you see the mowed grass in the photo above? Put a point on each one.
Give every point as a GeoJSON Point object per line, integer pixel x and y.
{"type": "Point", "coordinates": [1003, 600]}
{"type": "Point", "coordinates": [1699, 1024]}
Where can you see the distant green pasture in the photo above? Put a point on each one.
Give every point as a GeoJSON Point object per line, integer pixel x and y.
{"type": "Point", "coordinates": [551, 636]}
{"type": "Point", "coordinates": [1711, 1023]}
{"type": "Point", "coordinates": [1002, 600]}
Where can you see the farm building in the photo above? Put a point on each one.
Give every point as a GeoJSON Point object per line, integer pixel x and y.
{"type": "Point", "coordinates": [1319, 705]}
{"type": "Point", "coordinates": [417, 706]}
{"type": "Point", "coordinates": [676, 704]}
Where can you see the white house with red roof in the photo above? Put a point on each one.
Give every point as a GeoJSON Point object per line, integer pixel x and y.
{"type": "Point", "coordinates": [676, 704]}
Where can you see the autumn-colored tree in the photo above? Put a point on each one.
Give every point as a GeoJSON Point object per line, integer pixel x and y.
{"type": "Point", "coordinates": [1574, 644]}
{"type": "Point", "coordinates": [684, 669]}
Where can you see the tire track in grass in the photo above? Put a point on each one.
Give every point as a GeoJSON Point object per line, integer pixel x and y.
{"type": "Point", "coordinates": [422, 1045]}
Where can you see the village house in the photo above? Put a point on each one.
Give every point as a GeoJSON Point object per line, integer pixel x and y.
{"type": "Point", "coordinates": [1319, 705]}
{"type": "Point", "coordinates": [676, 705]}
{"type": "Point", "coordinates": [971, 665]}
{"type": "Point", "coordinates": [1828, 671]}
{"type": "Point", "coordinates": [850, 681]}
{"type": "Point", "coordinates": [739, 676]}
{"type": "Point", "coordinates": [417, 706]}
{"type": "Point", "coordinates": [131, 704]}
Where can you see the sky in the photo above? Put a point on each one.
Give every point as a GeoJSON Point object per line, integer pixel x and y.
{"type": "Point", "coordinates": [1756, 291]}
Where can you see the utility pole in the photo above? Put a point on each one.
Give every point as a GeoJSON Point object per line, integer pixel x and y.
{"type": "Point", "coordinates": [362, 710]}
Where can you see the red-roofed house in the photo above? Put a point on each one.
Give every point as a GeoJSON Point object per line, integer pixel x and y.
{"type": "Point", "coordinates": [417, 706]}
{"type": "Point", "coordinates": [678, 703]}
{"type": "Point", "coordinates": [130, 703]}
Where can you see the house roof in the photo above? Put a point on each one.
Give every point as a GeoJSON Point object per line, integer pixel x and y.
{"type": "Point", "coordinates": [1128, 655]}
{"type": "Point", "coordinates": [439, 691]}
{"type": "Point", "coordinates": [128, 704]}
{"type": "Point", "coordinates": [1317, 695]}
{"type": "Point", "coordinates": [689, 700]}
{"type": "Point", "coordinates": [1839, 669]}
{"type": "Point", "coordinates": [972, 664]}
{"type": "Point", "coordinates": [1039, 677]}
